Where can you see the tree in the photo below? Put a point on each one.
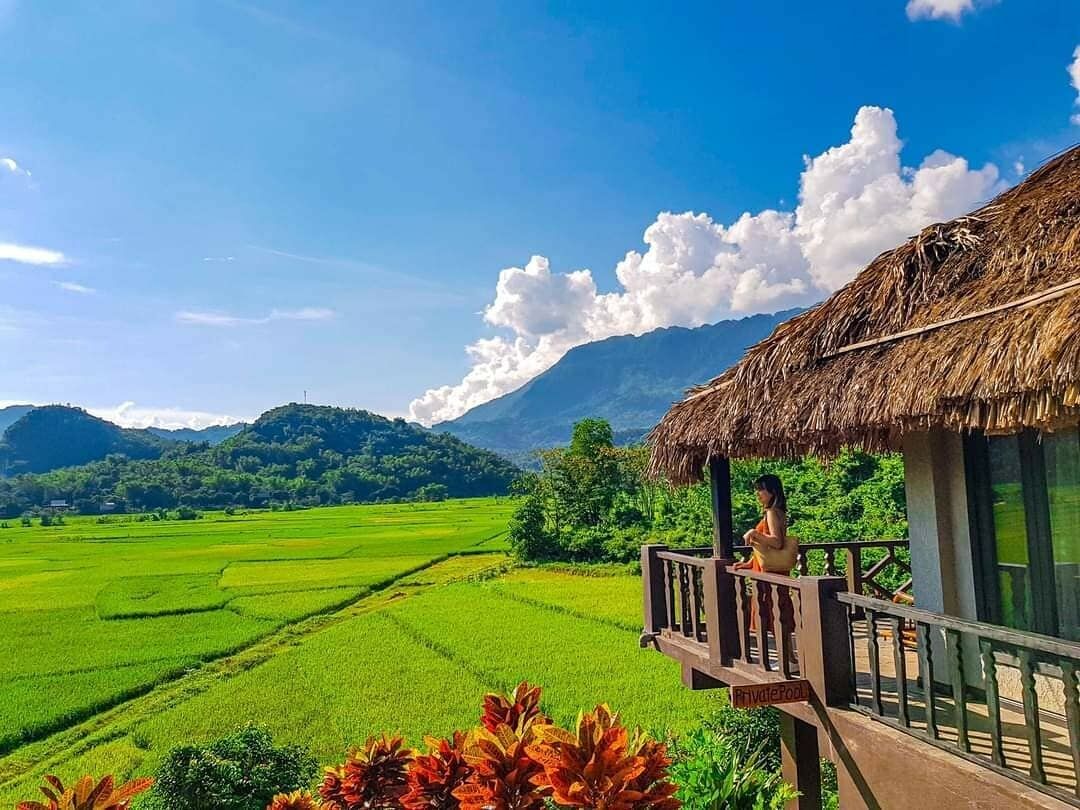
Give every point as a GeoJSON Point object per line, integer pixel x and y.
{"type": "Point", "coordinates": [529, 536]}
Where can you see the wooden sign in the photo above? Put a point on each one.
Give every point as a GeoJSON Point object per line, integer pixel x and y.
{"type": "Point", "coordinates": [769, 694]}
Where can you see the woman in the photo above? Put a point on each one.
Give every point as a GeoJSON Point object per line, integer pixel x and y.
{"type": "Point", "coordinates": [771, 532]}
{"type": "Point", "coordinates": [773, 551]}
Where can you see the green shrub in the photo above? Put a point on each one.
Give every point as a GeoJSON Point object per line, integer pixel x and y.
{"type": "Point", "coordinates": [186, 513]}
{"type": "Point", "coordinates": [713, 774]}
{"type": "Point", "coordinates": [748, 730]}
{"type": "Point", "coordinates": [240, 772]}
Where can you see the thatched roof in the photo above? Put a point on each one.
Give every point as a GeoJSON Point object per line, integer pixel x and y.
{"type": "Point", "coordinates": [808, 388]}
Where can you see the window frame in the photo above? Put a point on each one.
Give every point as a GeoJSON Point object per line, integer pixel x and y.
{"type": "Point", "coordinates": [1036, 500]}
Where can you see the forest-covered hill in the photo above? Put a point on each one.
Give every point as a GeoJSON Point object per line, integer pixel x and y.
{"type": "Point", "coordinates": [304, 454]}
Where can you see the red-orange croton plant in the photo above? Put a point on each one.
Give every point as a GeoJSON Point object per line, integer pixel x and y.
{"type": "Point", "coordinates": [87, 794]}
{"type": "Point", "coordinates": [516, 759]}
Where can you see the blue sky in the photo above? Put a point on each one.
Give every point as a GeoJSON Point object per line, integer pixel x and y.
{"type": "Point", "coordinates": [238, 201]}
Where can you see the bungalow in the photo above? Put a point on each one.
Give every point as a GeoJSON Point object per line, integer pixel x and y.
{"type": "Point", "coordinates": [942, 667]}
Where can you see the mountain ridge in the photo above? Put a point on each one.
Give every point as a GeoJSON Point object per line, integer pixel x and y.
{"type": "Point", "coordinates": [304, 454]}
{"type": "Point", "coordinates": [629, 380]}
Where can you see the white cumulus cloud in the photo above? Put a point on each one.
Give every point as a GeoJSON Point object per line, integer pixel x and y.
{"type": "Point", "coordinates": [855, 200]}
{"type": "Point", "coordinates": [939, 9]}
{"type": "Point", "coordinates": [200, 318]}
{"type": "Point", "coordinates": [128, 414]}
{"type": "Point", "coordinates": [28, 254]}
{"type": "Point", "coordinates": [1074, 76]}
{"type": "Point", "coordinates": [71, 286]}
{"type": "Point", "coordinates": [9, 164]}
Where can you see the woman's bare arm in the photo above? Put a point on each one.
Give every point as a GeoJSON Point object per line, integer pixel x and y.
{"type": "Point", "coordinates": [777, 524]}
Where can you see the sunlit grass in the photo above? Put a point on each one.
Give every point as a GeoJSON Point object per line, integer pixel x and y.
{"type": "Point", "coordinates": [96, 611]}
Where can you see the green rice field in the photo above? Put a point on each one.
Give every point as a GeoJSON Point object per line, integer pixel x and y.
{"type": "Point", "coordinates": [120, 640]}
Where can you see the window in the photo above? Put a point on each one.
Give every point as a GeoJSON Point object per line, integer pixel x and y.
{"type": "Point", "coordinates": [1062, 453]}
{"type": "Point", "coordinates": [1024, 491]}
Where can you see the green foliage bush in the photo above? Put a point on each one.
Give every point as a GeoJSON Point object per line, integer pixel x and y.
{"type": "Point", "coordinates": [594, 502]}
{"type": "Point", "coordinates": [242, 771]}
{"type": "Point", "coordinates": [713, 774]}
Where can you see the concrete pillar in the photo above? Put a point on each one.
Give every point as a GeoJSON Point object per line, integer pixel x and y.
{"type": "Point", "coordinates": [801, 761]}
{"type": "Point", "coordinates": [939, 529]}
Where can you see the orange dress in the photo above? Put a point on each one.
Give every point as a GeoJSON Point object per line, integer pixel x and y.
{"type": "Point", "coordinates": [755, 565]}
{"type": "Point", "coordinates": [755, 558]}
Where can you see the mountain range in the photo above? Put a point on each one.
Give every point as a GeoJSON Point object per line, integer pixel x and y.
{"type": "Point", "coordinates": [298, 454]}
{"type": "Point", "coordinates": [213, 434]}
{"type": "Point", "coordinates": [629, 380]}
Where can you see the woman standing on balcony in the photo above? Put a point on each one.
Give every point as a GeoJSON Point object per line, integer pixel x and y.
{"type": "Point", "coordinates": [774, 551]}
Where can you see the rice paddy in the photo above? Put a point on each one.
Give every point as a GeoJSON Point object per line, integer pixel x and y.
{"type": "Point", "coordinates": [326, 626]}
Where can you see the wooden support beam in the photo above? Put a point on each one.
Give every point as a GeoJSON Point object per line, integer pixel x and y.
{"type": "Point", "coordinates": [825, 649]}
{"type": "Point", "coordinates": [652, 579]}
{"type": "Point", "coordinates": [801, 761]}
{"type": "Point", "coordinates": [696, 680]}
{"type": "Point", "coordinates": [720, 485]}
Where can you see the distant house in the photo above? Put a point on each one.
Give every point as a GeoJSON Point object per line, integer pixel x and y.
{"type": "Point", "coordinates": [108, 506]}
{"type": "Point", "coordinates": [59, 503]}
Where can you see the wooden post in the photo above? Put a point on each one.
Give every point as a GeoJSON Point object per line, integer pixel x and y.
{"type": "Point", "coordinates": [853, 562]}
{"type": "Point", "coordinates": [825, 650]}
{"type": "Point", "coordinates": [721, 618]}
{"type": "Point", "coordinates": [720, 485]}
{"type": "Point", "coordinates": [652, 579]}
{"type": "Point", "coordinates": [801, 761]}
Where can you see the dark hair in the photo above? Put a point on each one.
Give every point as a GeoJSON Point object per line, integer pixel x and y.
{"type": "Point", "coordinates": [771, 484]}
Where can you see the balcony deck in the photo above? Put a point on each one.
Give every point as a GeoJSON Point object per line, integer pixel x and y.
{"type": "Point", "coordinates": [1020, 719]}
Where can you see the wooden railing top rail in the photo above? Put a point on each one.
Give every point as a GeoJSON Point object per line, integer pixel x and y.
{"type": "Point", "coordinates": [680, 557]}
{"type": "Point", "coordinates": [1031, 641]}
{"type": "Point", "coordinates": [825, 545]}
{"type": "Point", "coordinates": [696, 550]}
{"type": "Point", "coordinates": [765, 576]}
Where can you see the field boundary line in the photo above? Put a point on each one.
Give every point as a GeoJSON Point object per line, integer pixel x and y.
{"type": "Point", "coordinates": [489, 679]}
{"type": "Point", "coordinates": [494, 587]}
{"type": "Point", "coordinates": [112, 720]}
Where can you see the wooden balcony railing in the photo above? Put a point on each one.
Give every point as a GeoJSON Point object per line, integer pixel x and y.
{"type": "Point", "coordinates": [865, 563]}
{"type": "Point", "coordinates": [767, 625]}
{"type": "Point", "coordinates": [1005, 699]}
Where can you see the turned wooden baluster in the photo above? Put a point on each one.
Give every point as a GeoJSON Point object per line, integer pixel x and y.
{"type": "Point", "coordinates": [742, 608]}
{"type": "Point", "coordinates": [830, 563]}
{"type": "Point", "coordinates": [993, 701]}
{"type": "Point", "coordinates": [900, 668]}
{"type": "Point", "coordinates": [782, 628]}
{"type": "Point", "coordinates": [684, 598]}
{"type": "Point", "coordinates": [669, 594]}
{"type": "Point", "coordinates": [876, 705]}
{"type": "Point", "coordinates": [696, 602]}
{"type": "Point", "coordinates": [1031, 715]}
{"type": "Point", "coordinates": [924, 641]}
{"type": "Point", "coordinates": [761, 601]}
{"type": "Point", "coordinates": [954, 656]}
{"type": "Point", "coordinates": [1072, 715]}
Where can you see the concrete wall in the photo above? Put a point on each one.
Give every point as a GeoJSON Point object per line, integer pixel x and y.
{"type": "Point", "coordinates": [940, 532]}
{"type": "Point", "coordinates": [939, 529]}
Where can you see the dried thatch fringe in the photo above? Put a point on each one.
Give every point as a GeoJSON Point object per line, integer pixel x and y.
{"type": "Point", "coordinates": [1009, 368]}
